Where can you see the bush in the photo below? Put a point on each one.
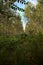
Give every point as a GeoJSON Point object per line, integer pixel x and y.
{"type": "Point", "coordinates": [21, 50]}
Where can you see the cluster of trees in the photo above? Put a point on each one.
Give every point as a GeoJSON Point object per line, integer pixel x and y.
{"type": "Point", "coordinates": [35, 14]}
{"type": "Point", "coordinates": [9, 24]}
{"type": "Point", "coordinates": [36, 18]}
{"type": "Point", "coordinates": [22, 49]}
{"type": "Point", "coordinates": [5, 4]}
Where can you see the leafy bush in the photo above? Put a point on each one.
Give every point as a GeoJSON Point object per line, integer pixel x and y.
{"type": "Point", "coordinates": [21, 49]}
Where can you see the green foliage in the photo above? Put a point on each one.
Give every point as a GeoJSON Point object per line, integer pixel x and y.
{"type": "Point", "coordinates": [36, 18]}
{"type": "Point", "coordinates": [40, 1]}
{"type": "Point", "coordinates": [21, 50]}
{"type": "Point", "coordinates": [10, 25]}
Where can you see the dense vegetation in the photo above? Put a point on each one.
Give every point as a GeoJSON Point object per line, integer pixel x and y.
{"type": "Point", "coordinates": [21, 49]}
{"type": "Point", "coordinates": [36, 18]}
{"type": "Point", "coordinates": [16, 46]}
{"type": "Point", "coordinates": [10, 26]}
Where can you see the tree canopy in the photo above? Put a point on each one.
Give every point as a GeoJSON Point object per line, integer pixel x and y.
{"type": "Point", "coordinates": [36, 17]}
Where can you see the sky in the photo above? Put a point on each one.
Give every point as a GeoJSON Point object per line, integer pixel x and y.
{"type": "Point", "coordinates": [24, 19]}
